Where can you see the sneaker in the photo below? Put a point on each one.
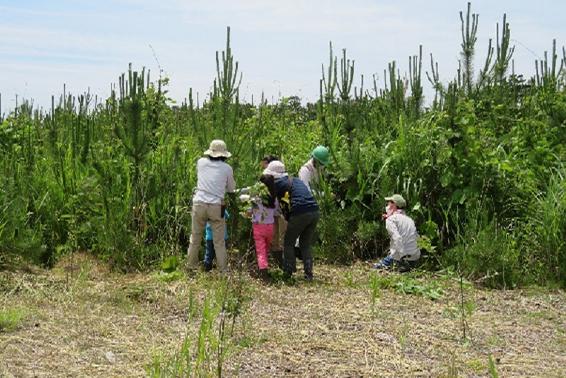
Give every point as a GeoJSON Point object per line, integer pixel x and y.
{"type": "Point", "coordinates": [385, 263]}
{"type": "Point", "coordinates": [207, 266]}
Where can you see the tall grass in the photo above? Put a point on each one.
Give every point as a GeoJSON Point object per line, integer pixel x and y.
{"type": "Point", "coordinates": [482, 167]}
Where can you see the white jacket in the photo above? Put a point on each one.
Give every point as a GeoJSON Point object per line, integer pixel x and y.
{"type": "Point", "coordinates": [403, 235]}
{"type": "Point", "coordinates": [309, 174]}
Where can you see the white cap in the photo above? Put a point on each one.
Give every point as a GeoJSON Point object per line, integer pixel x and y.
{"type": "Point", "coordinates": [275, 169]}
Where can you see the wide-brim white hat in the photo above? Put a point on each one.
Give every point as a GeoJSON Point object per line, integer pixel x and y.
{"type": "Point", "coordinates": [217, 148]}
{"type": "Point", "coordinates": [275, 169]}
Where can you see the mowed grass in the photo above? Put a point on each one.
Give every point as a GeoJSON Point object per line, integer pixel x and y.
{"type": "Point", "coordinates": [80, 319]}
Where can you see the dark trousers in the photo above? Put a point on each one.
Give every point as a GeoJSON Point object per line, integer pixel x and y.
{"type": "Point", "coordinates": [302, 226]}
{"type": "Point", "coordinates": [209, 252]}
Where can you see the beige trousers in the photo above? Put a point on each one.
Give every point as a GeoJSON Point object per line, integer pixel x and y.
{"type": "Point", "coordinates": [202, 213]}
{"type": "Point", "coordinates": [279, 233]}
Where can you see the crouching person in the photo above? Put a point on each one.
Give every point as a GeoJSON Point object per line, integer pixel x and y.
{"type": "Point", "coordinates": [214, 178]}
{"type": "Point", "coordinates": [403, 251]}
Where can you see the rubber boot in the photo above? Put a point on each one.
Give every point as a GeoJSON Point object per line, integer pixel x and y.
{"type": "Point", "coordinates": [307, 264]}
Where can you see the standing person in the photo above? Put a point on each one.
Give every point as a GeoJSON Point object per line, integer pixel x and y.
{"type": "Point", "coordinates": [263, 212]}
{"type": "Point", "coordinates": [209, 252]}
{"type": "Point", "coordinates": [403, 250]}
{"type": "Point", "coordinates": [214, 178]}
{"type": "Point", "coordinates": [311, 170]}
{"type": "Point", "coordinates": [302, 214]}
{"type": "Point", "coordinates": [310, 173]}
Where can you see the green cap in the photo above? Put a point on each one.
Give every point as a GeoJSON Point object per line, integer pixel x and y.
{"type": "Point", "coordinates": [398, 199]}
{"type": "Point", "coordinates": [321, 154]}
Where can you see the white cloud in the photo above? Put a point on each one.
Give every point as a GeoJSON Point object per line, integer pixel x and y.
{"type": "Point", "coordinates": [280, 45]}
{"type": "Point", "coordinates": [295, 16]}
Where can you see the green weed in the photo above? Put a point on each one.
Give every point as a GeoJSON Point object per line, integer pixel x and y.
{"type": "Point", "coordinates": [492, 368]}
{"type": "Point", "coordinates": [11, 318]}
{"type": "Point", "coordinates": [375, 292]}
{"type": "Point", "coordinates": [349, 279]}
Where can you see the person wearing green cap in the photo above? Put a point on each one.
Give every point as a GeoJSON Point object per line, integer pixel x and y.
{"type": "Point", "coordinates": [310, 172]}
{"type": "Point", "coordinates": [403, 250]}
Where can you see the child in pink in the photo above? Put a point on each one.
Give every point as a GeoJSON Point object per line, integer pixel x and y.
{"type": "Point", "coordinates": [264, 210]}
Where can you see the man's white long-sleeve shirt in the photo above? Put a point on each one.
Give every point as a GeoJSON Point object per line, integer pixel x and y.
{"type": "Point", "coordinates": [214, 179]}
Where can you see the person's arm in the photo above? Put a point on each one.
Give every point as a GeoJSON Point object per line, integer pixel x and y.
{"type": "Point", "coordinates": [231, 183]}
{"type": "Point", "coordinates": [198, 169]}
{"type": "Point", "coordinates": [396, 240]}
{"type": "Point", "coordinates": [305, 176]}
{"type": "Point", "coordinates": [279, 189]}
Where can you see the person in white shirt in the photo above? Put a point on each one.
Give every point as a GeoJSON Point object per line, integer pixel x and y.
{"type": "Point", "coordinates": [310, 172]}
{"type": "Point", "coordinates": [214, 179]}
{"type": "Point", "coordinates": [403, 250]}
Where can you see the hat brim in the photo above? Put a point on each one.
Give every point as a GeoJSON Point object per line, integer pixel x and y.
{"type": "Point", "coordinates": [276, 175]}
{"type": "Point", "coordinates": [215, 154]}
{"type": "Point", "coordinates": [323, 162]}
{"type": "Point", "coordinates": [400, 204]}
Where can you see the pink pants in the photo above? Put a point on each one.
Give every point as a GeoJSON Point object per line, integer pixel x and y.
{"type": "Point", "coordinates": [263, 236]}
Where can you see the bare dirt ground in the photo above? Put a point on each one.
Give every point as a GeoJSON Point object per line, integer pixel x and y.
{"type": "Point", "coordinates": [80, 319]}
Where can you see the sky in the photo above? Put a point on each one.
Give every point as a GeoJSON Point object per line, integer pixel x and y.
{"type": "Point", "coordinates": [280, 45]}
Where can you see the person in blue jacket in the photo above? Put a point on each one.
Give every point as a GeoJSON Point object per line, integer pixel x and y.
{"type": "Point", "coordinates": [209, 253]}
{"type": "Point", "coordinates": [302, 213]}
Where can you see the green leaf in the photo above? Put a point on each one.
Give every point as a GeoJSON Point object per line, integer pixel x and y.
{"type": "Point", "coordinates": [170, 264]}
{"type": "Point", "coordinates": [446, 179]}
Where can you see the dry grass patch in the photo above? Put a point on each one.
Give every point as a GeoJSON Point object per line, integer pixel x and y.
{"type": "Point", "coordinates": [84, 320]}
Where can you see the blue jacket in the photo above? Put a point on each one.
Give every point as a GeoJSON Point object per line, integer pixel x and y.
{"type": "Point", "coordinates": [302, 200]}
{"type": "Point", "coordinates": [208, 229]}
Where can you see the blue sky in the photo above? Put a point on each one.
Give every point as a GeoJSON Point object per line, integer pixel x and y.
{"type": "Point", "coordinates": [280, 44]}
